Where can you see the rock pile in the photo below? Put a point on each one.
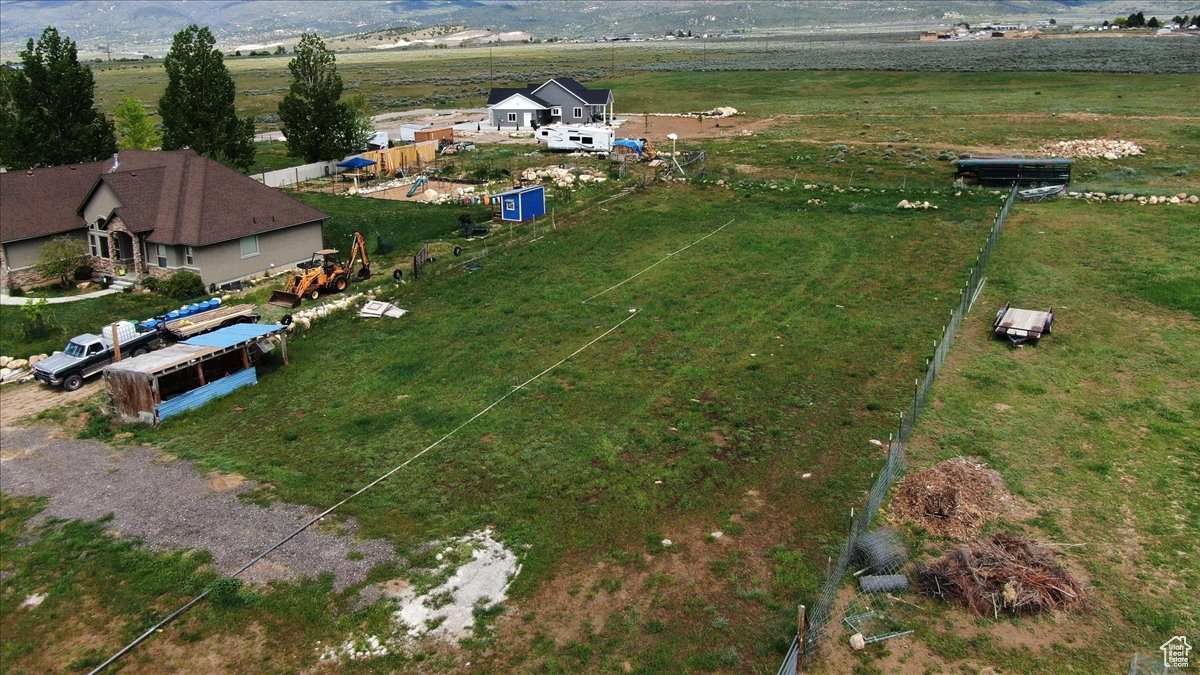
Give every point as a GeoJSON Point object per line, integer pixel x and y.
{"type": "Point", "coordinates": [719, 112]}
{"type": "Point", "coordinates": [905, 204]}
{"type": "Point", "coordinates": [563, 178]}
{"type": "Point", "coordinates": [305, 318]}
{"type": "Point", "coordinates": [1093, 147]}
{"type": "Point", "coordinates": [1181, 198]}
{"type": "Point", "coordinates": [16, 370]}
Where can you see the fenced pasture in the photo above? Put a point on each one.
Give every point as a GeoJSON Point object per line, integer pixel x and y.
{"type": "Point", "coordinates": [776, 347]}
{"type": "Point", "coordinates": [1092, 427]}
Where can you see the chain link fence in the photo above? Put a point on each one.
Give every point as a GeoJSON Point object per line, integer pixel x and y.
{"type": "Point", "coordinates": [804, 647]}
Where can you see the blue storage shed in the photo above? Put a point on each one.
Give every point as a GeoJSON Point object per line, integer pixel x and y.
{"type": "Point", "coordinates": [522, 204]}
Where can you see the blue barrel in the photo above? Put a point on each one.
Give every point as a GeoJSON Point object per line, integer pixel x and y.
{"type": "Point", "coordinates": [193, 308]}
{"type": "Point", "coordinates": [205, 306]}
{"type": "Point", "coordinates": [216, 302]}
{"type": "Point", "coordinates": [172, 315]}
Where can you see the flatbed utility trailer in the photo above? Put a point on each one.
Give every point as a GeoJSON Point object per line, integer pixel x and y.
{"type": "Point", "coordinates": [190, 326]}
{"type": "Point", "coordinates": [1042, 194]}
{"type": "Point", "coordinates": [1022, 325]}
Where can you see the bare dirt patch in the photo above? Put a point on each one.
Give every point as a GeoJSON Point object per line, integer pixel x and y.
{"type": "Point", "coordinates": [222, 482]}
{"type": "Point", "coordinates": [953, 498]}
{"type": "Point", "coordinates": [656, 128]}
{"type": "Point", "coordinates": [24, 400]}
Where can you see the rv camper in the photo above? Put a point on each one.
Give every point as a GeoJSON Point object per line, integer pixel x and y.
{"type": "Point", "coordinates": [587, 139]}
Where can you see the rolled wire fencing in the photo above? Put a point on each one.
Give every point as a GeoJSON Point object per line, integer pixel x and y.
{"type": "Point", "coordinates": [815, 622]}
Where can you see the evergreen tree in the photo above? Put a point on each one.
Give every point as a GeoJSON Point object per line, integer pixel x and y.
{"type": "Point", "coordinates": [47, 111]}
{"type": "Point", "coordinates": [197, 108]}
{"type": "Point", "coordinates": [1153, 22]}
{"type": "Point", "coordinates": [318, 125]}
{"type": "Point", "coordinates": [134, 127]}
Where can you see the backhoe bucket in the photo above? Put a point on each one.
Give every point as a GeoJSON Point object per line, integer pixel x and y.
{"type": "Point", "coordinates": [285, 299]}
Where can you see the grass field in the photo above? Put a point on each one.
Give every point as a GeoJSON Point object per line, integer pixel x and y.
{"type": "Point", "coordinates": [814, 339]}
{"type": "Point", "coordinates": [1096, 426]}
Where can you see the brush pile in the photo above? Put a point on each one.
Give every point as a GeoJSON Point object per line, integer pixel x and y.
{"type": "Point", "coordinates": [1002, 573]}
{"type": "Point", "coordinates": [952, 498]}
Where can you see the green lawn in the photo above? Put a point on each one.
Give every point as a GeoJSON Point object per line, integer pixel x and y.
{"type": "Point", "coordinates": [66, 320]}
{"type": "Point", "coordinates": [783, 333]}
{"type": "Point", "coordinates": [1102, 432]}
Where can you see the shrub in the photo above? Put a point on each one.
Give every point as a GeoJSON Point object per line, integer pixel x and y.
{"type": "Point", "coordinates": [33, 319]}
{"type": "Point", "coordinates": [84, 273]}
{"type": "Point", "coordinates": [60, 256]}
{"type": "Point", "coordinates": [151, 284]}
{"type": "Point", "coordinates": [16, 291]}
{"type": "Point", "coordinates": [182, 285]}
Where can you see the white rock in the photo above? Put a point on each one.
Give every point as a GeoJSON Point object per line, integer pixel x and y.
{"type": "Point", "coordinates": [5, 372]}
{"type": "Point", "coordinates": [33, 601]}
{"type": "Point", "coordinates": [4, 361]}
{"type": "Point", "coordinates": [857, 642]}
{"type": "Point", "coordinates": [1194, 199]}
{"type": "Point", "coordinates": [17, 364]}
{"type": "Point", "coordinates": [666, 543]}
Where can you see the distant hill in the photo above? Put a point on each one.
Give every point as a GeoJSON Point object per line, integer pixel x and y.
{"type": "Point", "coordinates": [146, 26]}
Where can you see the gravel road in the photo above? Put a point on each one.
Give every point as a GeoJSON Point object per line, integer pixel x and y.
{"type": "Point", "coordinates": [168, 504]}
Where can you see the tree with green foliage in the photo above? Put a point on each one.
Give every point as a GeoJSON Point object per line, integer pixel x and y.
{"type": "Point", "coordinates": [198, 107]}
{"type": "Point", "coordinates": [49, 115]}
{"type": "Point", "coordinates": [1153, 22]}
{"type": "Point", "coordinates": [318, 125]}
{"type": "Point", "coordinates": [1135, 20]}
{"type": "Point", "coordinates": [135, 129]}
{"type": "Point", "coordinates": [280, 50]}
{"type": "Point", "coordinates": [60, 256]}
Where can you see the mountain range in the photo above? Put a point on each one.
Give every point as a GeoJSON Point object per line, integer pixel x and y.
{"type": "Point", "coordinates": [146, 26]}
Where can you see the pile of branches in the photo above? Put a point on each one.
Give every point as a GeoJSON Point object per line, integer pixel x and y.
{"type": "Point", "coordinates": [1002, 573]}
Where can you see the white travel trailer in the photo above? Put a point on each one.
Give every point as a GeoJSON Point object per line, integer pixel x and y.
{"type": "Point", "coordinates": [587, 139]}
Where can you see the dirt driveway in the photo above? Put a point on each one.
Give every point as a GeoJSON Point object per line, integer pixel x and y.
{"type": "Point", "coordinates": [29, 398]}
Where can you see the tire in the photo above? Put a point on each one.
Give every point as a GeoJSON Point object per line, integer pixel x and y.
{"type": "Point", "coordinates": [140, 351]}
{"type": "Point", "coordinates": [286, 320]}
{"type": "Point", "coordinates": [398, 274]}
{"type": "Point", "coordinates": [457, 251]}
{"type": "Point", "coordinates": [314, 294]}
{"type": "Point", "coordinates": [340, 284]}
{"type": "Point", "coordinates": [72, 382]}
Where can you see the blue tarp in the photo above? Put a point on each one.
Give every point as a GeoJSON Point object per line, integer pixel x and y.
{"type": "Point", "coordinates": [356, 163]}
{"type": "Point", "coordinates": [631, 143]}
{"type": "Point", "coordinates": [233, 335]}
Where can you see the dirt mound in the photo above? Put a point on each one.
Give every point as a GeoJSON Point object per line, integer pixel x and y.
{"type": "Point", "coordinates": [1002, 573]}
{"type": "Point", "coordinates": [953, 498]}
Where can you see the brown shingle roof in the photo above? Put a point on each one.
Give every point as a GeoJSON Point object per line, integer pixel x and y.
{"type": "Point", "coordinates": [177, 197]}
{"type": "Point", "coordinates": [42, 202]}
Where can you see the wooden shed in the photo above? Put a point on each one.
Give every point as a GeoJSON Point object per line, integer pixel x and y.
{"type": "Point", "coordinates": [434, 134]}
{"type": "Point", "coordinates": [183, 376]}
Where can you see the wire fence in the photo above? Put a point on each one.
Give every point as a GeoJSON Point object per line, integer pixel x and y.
{"type": "Point", "coordinates": [804, 647]}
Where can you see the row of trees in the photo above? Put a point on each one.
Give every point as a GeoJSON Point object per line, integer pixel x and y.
{"type": "Point", "coordinates": [48, 114]}
{"type": "Point", "coordinates": [1139, 20]}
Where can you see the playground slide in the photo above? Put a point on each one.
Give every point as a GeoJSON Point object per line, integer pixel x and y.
{"type": "Point", "coordinates": [417, 185]}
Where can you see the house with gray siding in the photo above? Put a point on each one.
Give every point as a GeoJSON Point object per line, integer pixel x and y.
{"type": "Point", "coordinates": [559, 100]}
{"type": "Point", "coordinates": [150, 214]}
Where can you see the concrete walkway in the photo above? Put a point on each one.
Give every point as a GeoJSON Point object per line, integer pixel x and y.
{"type": "Point", "coordinates": [6, 299]}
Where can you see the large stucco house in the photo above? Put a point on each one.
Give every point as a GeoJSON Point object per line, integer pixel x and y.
{"type": "Point", "coordinates": [560, 100]}
{"type": "Point", "coordinates": [150, 213]}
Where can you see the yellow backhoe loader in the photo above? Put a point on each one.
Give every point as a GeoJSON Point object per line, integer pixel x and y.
{"type": "Point", "coordinates": [324, 273]}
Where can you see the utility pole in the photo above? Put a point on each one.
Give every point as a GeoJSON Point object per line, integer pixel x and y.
{"type": "Point", "coordinates": [613, 55]}
{"type": "Point", "coordinates": [491, 79]}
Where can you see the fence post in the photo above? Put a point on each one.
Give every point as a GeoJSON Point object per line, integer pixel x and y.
{"type": "Point", "coordinates": [801, 629]}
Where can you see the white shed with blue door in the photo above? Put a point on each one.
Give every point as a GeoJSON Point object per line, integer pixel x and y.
{"type": "Point", "coordinates": [522, 204]}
